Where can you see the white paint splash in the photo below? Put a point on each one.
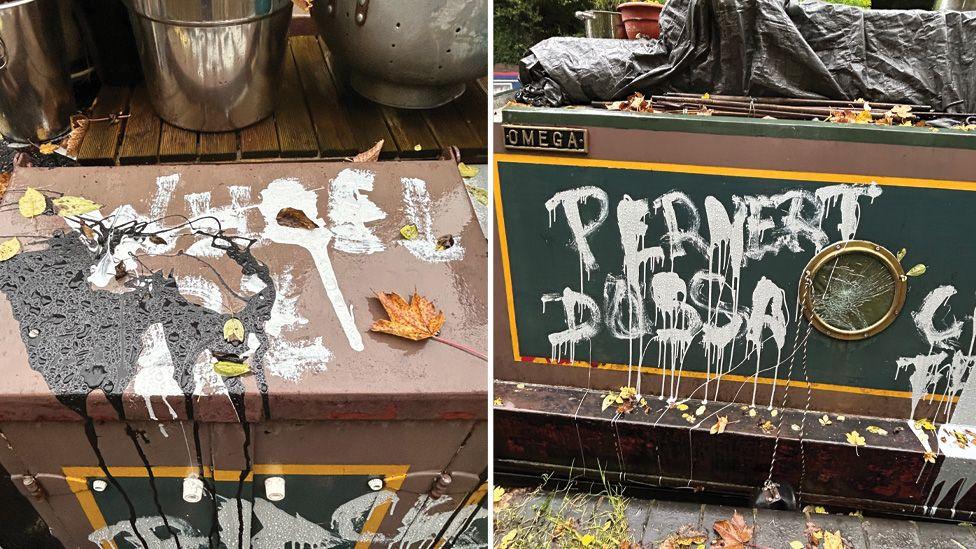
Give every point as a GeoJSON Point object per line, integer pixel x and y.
{"type": "Point", "coordinates": [202, 289]}
{"type": "Point", "coordinates": [418, 212]}
{"type": "Point", "coordinates": [289, 193]}
{"type": "Point", "coordinates": [678, 325]}
{"type": "Point", "coordinates": [349, 211]}
{"type": "Point", "coordinates": [291, 358]}
{"type": "Point", "coordinates": [155, 375]}
{"type": "Point", "coordinates": [231, 218]}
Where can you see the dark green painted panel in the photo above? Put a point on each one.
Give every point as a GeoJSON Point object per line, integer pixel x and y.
{"type": "Point", "coordinates": [726, 125]}
{"type": "Point", "coordinates": [934, 225]}
{"type": "Point", "coordinates": [306, 511]}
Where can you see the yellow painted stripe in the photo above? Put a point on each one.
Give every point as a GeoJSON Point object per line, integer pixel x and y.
{"type": "Point", "coordinates": [704, 170]}
{"type": "Point", "coordinates": [736, 172]}
{"type": "Point", "coordinates": [506, 265]}
{"type": "Point", "coordinates": [741, 378]}
{"type": "Point", "coordinates": [77, 479]}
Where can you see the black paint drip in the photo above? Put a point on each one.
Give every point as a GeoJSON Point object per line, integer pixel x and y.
{"type": "Point", "coordinates": [81, 340]}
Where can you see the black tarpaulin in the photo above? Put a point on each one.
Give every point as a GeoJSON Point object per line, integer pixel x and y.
{"type": "Point", "coordinates": [766, 48]}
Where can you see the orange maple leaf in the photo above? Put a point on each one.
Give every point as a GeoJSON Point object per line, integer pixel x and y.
{"type": "Point", "coordinates": [735, 533]}
{"type": "Point", "coordinates": [417, 320]}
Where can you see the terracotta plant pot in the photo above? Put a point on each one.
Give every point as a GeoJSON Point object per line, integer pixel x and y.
{"type": "Point", "coordinates": [641, 19]}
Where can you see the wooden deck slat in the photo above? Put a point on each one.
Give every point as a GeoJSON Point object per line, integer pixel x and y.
{"type": "Point", "coordinates": [409, 130]}
{"type": "Point", "coordinates": [332, 127]}
{"type": "Point", "coordinates": [296, 135]}
{"type": "Point", "coordinates": [318, 114]}
{"type": "Point", "coordinates": [140, 142]}
{"type": "Point", "coordinates": [366, 118]}
{"type": "Point", "coordinates": [218, 146]}
{"type": "Point", "coordinates": [260, 140]}
{"type": "Point", "coordinates": [443, 121]}
{"type": "Point", "coordinates": [177, 144]}
{"type": "Point", "coordinates": [102, 137]}
{"type": "Point", "coordinates": [473, 106]}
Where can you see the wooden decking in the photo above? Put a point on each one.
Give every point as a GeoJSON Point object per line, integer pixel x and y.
{"type": "Point", "coordinates": [316, 118]}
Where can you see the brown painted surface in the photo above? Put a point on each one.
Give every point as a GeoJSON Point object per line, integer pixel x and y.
{"type": "Point", "coordinates": [417, 405]}
{"type": "Point", "coordinates": [390, 379]}
{"type": "Point", "coordinates": [544, 429]}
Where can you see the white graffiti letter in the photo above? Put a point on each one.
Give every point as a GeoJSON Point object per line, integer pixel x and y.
{"type": "Point", "coordinates": [570, 201]}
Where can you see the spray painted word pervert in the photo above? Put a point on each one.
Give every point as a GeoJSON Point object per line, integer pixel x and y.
{"type": "Point", "coordinates": [644, 300]}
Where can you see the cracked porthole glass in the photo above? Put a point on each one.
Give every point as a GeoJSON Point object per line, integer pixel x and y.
{"type": "Point", "coordinates": [856, 290]}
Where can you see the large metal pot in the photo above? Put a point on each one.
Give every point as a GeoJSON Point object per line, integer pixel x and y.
{"type": "Point", "coordinates": [412, 55]}
{"type": "Point", "coordinates": [602, 24]}
{"type": "Point", "coordinates": [35, 83]}
{"type": "Point", "coordinates": [214, 65]}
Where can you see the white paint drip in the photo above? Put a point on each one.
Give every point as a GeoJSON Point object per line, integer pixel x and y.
{"type": "Point", "coordinates": [571, 200]}
{"type": "Point", "coordinates": [679, 324]}
{"type": "Point", "coordinates": [286, 358]}
{"type": "Point", "coordinates": [349, 211]}
{"type": "Point", "coordinates": [418, 212]}
{"type": "Point", "coordinates": [850, 208]}
{"type": "Point", "coordinates": [289, 193]}
{"type": "Point", "coordinates": [769, 311]}
{"type": "Point", "coordinates": [574, 306]}
{"type": "Point", "coordinates": [155, 375]}
{"type": "Point", "coordinates": [676, 236]}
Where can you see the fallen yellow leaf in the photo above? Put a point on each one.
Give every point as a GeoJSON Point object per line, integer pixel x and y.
{"type": "Point", "coordinates": [507, 539]}
{"type": "Point", "coordinates": [499, 401]}
{"type": "Point", "coordinates": [417, 320]}
{"type": "Point", "coordinates": [924, 424]}
{"type": "Point", "coordinates": [700, 411]}
{"type": "Point", "coordinates": [233, 331]}
{"type": "Point", "coordinates": [856, 439]}
{"type": "Point", "coordinates": [683, 407]}
{"type": "Point", "coordinates": [497, 493]}
{"type": "Point", "coordinates": [587, 540]}
{"type": "Point", "coordinates": [467, 171]}
{"type": "Point", "coordinates": [74, 205]}
{"type": "Point", "coordinates": [47, 148]}
{"type": "Point", "coordinates": [877, 430]}
{"type": "Point", "coordinates": [719, 426]}
{"type": "Point", "coordinates": [796, 544]}
{"type": "Point", "coordinates": [9, 248]}
{"type": "Point", "coordinates": [917, 270]}
{"type": "Point", "coordinates": [227, 368]}
{"type": "Point", "coordinates": [409, 232]}
{"type": "Point", "coordinates": [825, 421]}
{"type": "Point", "coordinates": [833, 540]}
{"type": "Point", "coordinates": [32, 204]}
{"type": "Point", "coordinates": [752, 412]}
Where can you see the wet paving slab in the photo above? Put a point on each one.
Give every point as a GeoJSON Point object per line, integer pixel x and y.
{"type": "Point", "coordinates": [651, 522]}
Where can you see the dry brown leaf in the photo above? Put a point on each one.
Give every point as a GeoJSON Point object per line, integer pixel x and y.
{"type": "Point", "coordinates": [417, 320]}
{"type": "Point", "coordinates": [735, 533]}
{"type": "Point", "coordinates": [296, 219]}
{"type": "Point", "coordinates": [79, 127]}
{"type": "Point", "coordinates": [372, 155]}
{"type": "Point", "coordinates": [4, 182]}
{"type": "Point", "coordinates": [304, 5]}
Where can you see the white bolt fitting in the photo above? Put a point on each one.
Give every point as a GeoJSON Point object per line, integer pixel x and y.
{"type": "Point", "coordinates": [192, 489]}
{"type": "Point", "coordinates": [376, 484]}
{"type": "Point", "coordinates": [274, 488]}
{"type": "Point", "coordinates": [99, 485]}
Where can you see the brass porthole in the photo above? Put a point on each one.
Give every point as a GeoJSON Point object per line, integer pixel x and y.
{"type": "Point", "coordinates": [853, 289]}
